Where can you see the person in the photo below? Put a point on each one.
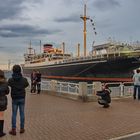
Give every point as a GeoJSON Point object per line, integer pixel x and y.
{"type": "Point", "coordinates": [105, 98]}
{"type": "Point", "coordinates": [4, 90]}
{"type": "Point", "coordinates": [136, 81]}
{"type": "Point", "coordinates": [38, 82]}
{"type": "Point", "coordinates": [33, 81]}
{"type": "Point", "coordinates": [18, 84]}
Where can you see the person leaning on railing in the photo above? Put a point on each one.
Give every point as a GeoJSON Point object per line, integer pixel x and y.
{"type": "Point", "coordinates": [38, 81]}
{"type": "Point", "coordinates": [136, 80]}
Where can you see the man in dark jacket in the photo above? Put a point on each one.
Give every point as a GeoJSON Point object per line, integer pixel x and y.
{"type": "Point", "coordinates": [33, 81]}
{"type": "Point", "coordinates": [18, 84]}
{"type": "Point", "coordinates": [38, 81]}
{"type": "Point", "coordinates": [105, 96]}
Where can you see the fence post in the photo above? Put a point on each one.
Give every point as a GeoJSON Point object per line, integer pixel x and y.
{"type": "Point", "coordinates": [83, 90]}
{"type": "Point", "coordinates": [122, 89]}
{"type": "Point", "coordinates": [53, 85]}
{"type": "Point", "coordinates": [97, 87]}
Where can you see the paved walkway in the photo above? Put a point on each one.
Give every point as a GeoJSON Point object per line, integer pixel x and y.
{"type": "Point", "coordinates": [54, 118]}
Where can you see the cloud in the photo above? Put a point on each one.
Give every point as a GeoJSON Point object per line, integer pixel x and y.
{"type": "Point", "coordinates": [24, 30]}
{"type": "Point", "coordinates": [10, 8]}
{"type": "Point", "coordinates": [106, 4]}
{"type": "Point", "coordinates": [68, 2]}
{"type": "Point", "coordinates": [71, 18]}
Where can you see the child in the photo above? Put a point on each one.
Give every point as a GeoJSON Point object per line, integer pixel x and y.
{"type": "Point", "coordinates": [4, 90]}
{"type": "Point", "coordinates": [105, 98]}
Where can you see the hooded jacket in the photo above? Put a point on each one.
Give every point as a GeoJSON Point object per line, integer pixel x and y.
{"type": "Point", "coordinates": [4, 90]}
{"type": "Point", "coordinates": [18, 84]}
{"type": "Point", "coordinates": [105, 95]}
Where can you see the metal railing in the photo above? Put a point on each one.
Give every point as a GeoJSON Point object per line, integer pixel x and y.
{"type": "Point", "coordinates": [121, 89]}
{"type": "Point", "coordinates": [66, 87]}
{"type": "Point", "coordinates": [117, 89]}
{"type": "Point", "coordinates": [45, 85]}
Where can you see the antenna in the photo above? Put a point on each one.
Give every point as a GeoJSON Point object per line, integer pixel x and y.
{"type": "Point", "coordinates": [40, 46]}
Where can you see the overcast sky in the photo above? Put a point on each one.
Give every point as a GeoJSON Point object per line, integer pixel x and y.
{"type": "Point", "coordinates": [57, 21]}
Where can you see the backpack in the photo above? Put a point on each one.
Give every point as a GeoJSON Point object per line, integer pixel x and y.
{"type": "Point", "coordinates": [3, 103]}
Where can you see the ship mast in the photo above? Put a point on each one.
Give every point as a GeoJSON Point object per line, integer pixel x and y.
{"type": "Point", "coordinates": [40, 47]}
{"type": "Point", "coordinates": [85, 18]}
{"type": "Point", "coordinates": [30, 49]}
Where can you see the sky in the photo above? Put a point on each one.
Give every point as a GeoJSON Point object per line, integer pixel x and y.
{"type": "Point", "coordinates": [59, 21]}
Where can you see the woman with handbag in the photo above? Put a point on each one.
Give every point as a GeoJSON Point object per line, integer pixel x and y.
{"type": "Point", "coordinates": [4, 90]}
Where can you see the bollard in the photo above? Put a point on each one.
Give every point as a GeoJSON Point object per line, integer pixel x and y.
{"type": "Point", "coordinates": [53, 85]}
{"type": "Point", "coordinates": [122, 89]}
{"type": "Point", "coordinates": [97, 87]}
{"type": "Point", "coordinates": [83, 91]}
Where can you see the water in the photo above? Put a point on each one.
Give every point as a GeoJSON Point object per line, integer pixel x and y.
{"type": "Point", "coordinates": [7, 74]}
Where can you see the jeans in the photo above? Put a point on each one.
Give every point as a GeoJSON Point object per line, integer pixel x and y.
{"type": "Point", "coordinates": [136, 88]}
{"type": "Point", "coordinates": [33, 87]}
{"type": "Point", "coordinates": [38, 87]}
{"type": "Point", "coordinates": [102, 102]}
{"type": "Point", "coordinates": [18, 103]}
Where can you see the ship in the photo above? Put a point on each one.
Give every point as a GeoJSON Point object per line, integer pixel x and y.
{"type": "Point", "coordinates": [106, 62]}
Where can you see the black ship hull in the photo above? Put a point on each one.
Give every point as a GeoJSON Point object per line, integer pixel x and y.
{"type": "Point", "coordinates": [89, 70]}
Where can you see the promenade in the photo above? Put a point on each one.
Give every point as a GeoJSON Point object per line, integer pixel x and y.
{"type": "Point", "coordinates": [54, 118]}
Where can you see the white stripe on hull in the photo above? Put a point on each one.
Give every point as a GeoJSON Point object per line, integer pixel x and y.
{"type": "Point", "coordinates": [64, 65]}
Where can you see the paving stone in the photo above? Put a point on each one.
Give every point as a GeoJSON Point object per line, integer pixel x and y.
{"type": "Point", "coordinates": [54, 118]}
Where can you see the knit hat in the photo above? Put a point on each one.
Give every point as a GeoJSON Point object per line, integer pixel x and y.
{"type": "Point", "coordinates": [16, 69]}
{"type": "Point", "coordinates": [1, 74]}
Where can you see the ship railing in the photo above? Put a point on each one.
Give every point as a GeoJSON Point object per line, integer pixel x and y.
{"type": "Point", "coordinates": [113, 54]}
{"type": "Point", "coordinates": [117, 53]}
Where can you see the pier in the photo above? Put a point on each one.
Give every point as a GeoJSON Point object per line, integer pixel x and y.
{"type": "Point", "coordinates": [53, 118]}
{"type": "Point", "coordinates": [83, 91]}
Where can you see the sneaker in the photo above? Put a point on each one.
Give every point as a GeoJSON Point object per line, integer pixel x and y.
{"type": "Point", "coordinates": [12, 131]}
{"type": "Point", "coordinates": [22, 130]}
